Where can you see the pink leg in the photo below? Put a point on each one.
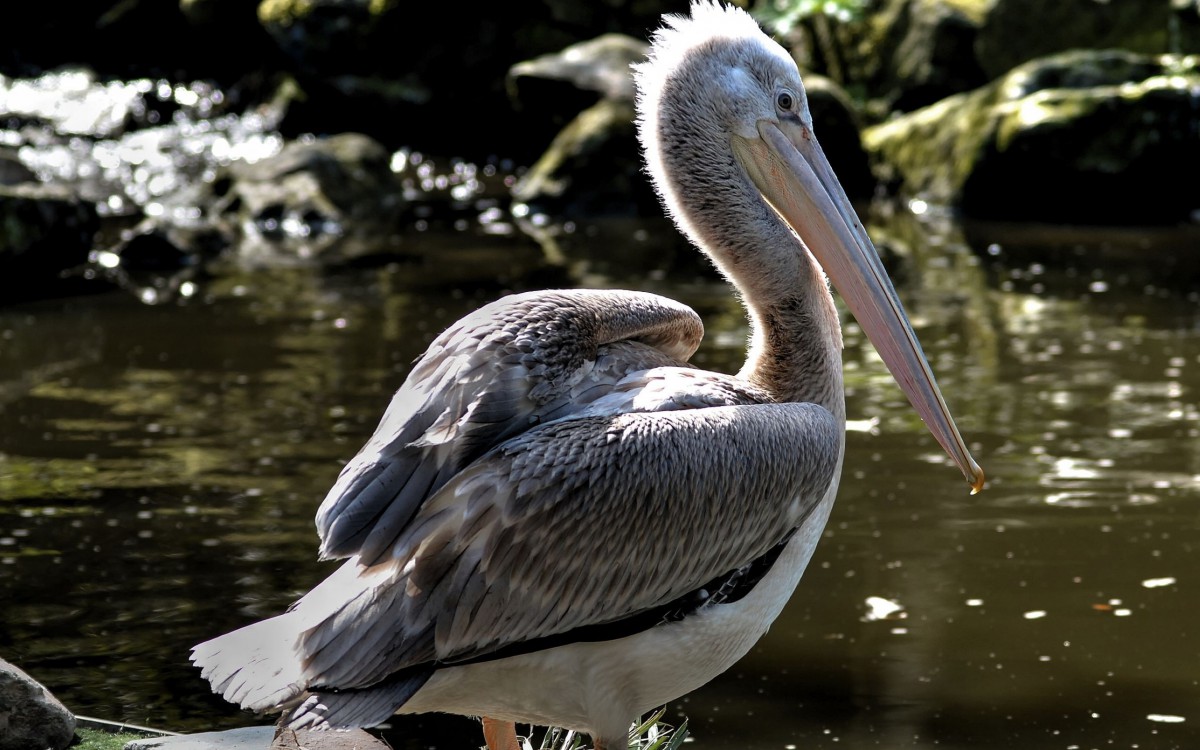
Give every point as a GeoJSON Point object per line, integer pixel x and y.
{"type": "Point", "coordinates": [500, 735]}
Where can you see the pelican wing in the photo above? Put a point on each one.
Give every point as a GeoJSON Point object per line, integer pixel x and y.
{"type": "Point", "coordinates": [514, 364]}
{"type": "Point", "coordinates": [587, 520]}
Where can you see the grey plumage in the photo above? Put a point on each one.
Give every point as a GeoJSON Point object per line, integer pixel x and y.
{"type": "Point", "coordinates": [608, 448]}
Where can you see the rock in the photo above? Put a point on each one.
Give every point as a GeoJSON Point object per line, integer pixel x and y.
{"type": "Point", "coordinates": [1087, 136]}
{"type": "Point", "coordinates": [157, 262]}
{"type": "Point", "coordinates": [309, 195]}
{"type": "Point", "coordinates": [354, 739]}
{"type": "Point", "coordinates": [30, 717]}
{"type": "Point", "coordinates": [911, 53]}
{"type": "Point", "coordinates": [263, 738]}
{"type": "Point", "coordinates": [599, 65]}
{"type": "Point", "coordinates": [837, 125]}
{"type": "Point", "coordinates": [1013, 32]}
{"type": "Point", "coordinates": [47, 230]}
{"type": "Point", "coordinates": [12, 170]}
{"type": "Point", "coordinates": [914, 52]}
{"type": "Point", "coordinates": [552, 89]}
{"type": "Point", "coordinates": [128, 145]}
{"type": "Point", "coordinates": [406, 66]}
{"type": "Point", "coordinates": [430, 75]}
{"type": "Point", "coordinates": [245, 738]}
{"type": "Point", "coordinates": [589, 86]}
{"type": "Point", "coordinates": [593, 167]}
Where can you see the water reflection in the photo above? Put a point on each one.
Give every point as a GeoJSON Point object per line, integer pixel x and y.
{"type": "Point", "coordinates": [159, 469]}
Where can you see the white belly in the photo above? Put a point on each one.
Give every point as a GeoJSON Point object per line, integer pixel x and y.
{"type": "Point", "coordinates": [600, 687]}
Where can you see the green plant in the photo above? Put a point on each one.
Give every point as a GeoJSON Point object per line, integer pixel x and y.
{"type": "Point", "coordinates": [651, 734]}
{"type": "Point", "coordinates": [781, 16]}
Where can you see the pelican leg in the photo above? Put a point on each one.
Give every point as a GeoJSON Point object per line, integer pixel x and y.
{"type": "Point", "coordinates": [500, 735]}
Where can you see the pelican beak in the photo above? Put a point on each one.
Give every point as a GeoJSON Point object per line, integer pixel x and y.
{"type": "Point", "coordinates": [794, 176]}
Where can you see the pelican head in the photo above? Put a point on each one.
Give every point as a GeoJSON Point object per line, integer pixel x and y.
{"type": "Point", "coordinates": [729, 141]}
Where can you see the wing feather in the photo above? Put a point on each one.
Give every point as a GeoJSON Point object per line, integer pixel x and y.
{"type": "Point", "coordinates": [511, 365]}
{"type": "Point", "coordinates": [637, 505]}
{"type": "Point", "coordinates": [550, 464]}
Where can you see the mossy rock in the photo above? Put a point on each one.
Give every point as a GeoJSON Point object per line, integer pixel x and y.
{"type": "Point", "coordinates": [1096, 137]}
{"type": "Point", "coordinates": [591, 168]}
{"type": "Point", "coordinates": [906, 54]}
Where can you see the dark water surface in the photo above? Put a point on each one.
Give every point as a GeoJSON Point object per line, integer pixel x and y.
{"type": "Point", "coordinates": [160, 467]}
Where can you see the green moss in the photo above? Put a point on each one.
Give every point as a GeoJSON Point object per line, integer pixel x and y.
{"type": "Point", "coordinates": [94, 739]}
{"type": "Point", "coordinates": [379, 7]}
{"type": "Point", "coordinates": [287, 12]}
{"type": "Point", "coordinates": [975, 10]}
{"type": "Point", "coordinates": [955, 129]}
{"type": "Point", "coordinates": [1088, 109]}
{"type": "Point", "coordinates": [1043, 109]}
{"type": "Point", "coordinates": [283, 12]}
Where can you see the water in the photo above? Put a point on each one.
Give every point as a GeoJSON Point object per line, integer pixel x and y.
{"type": "Point", "coordinates": [160, 466]}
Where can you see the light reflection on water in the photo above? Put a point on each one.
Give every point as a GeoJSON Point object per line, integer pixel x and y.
{"type": "Point", "coordinates": [159, 469]}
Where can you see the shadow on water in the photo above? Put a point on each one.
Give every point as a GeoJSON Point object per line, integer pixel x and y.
{"type": "Point", "coordinates": [160, 466]}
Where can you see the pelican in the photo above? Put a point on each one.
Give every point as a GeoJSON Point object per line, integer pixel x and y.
{"type": "Point", "coordinates": [559, 521]}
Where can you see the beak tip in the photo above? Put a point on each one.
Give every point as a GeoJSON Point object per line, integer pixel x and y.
{"type": "Point", "coordinates": [976, 478]}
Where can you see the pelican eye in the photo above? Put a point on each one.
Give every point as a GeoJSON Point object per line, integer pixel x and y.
{"type": "Point", "coordinates": [785, 100]}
